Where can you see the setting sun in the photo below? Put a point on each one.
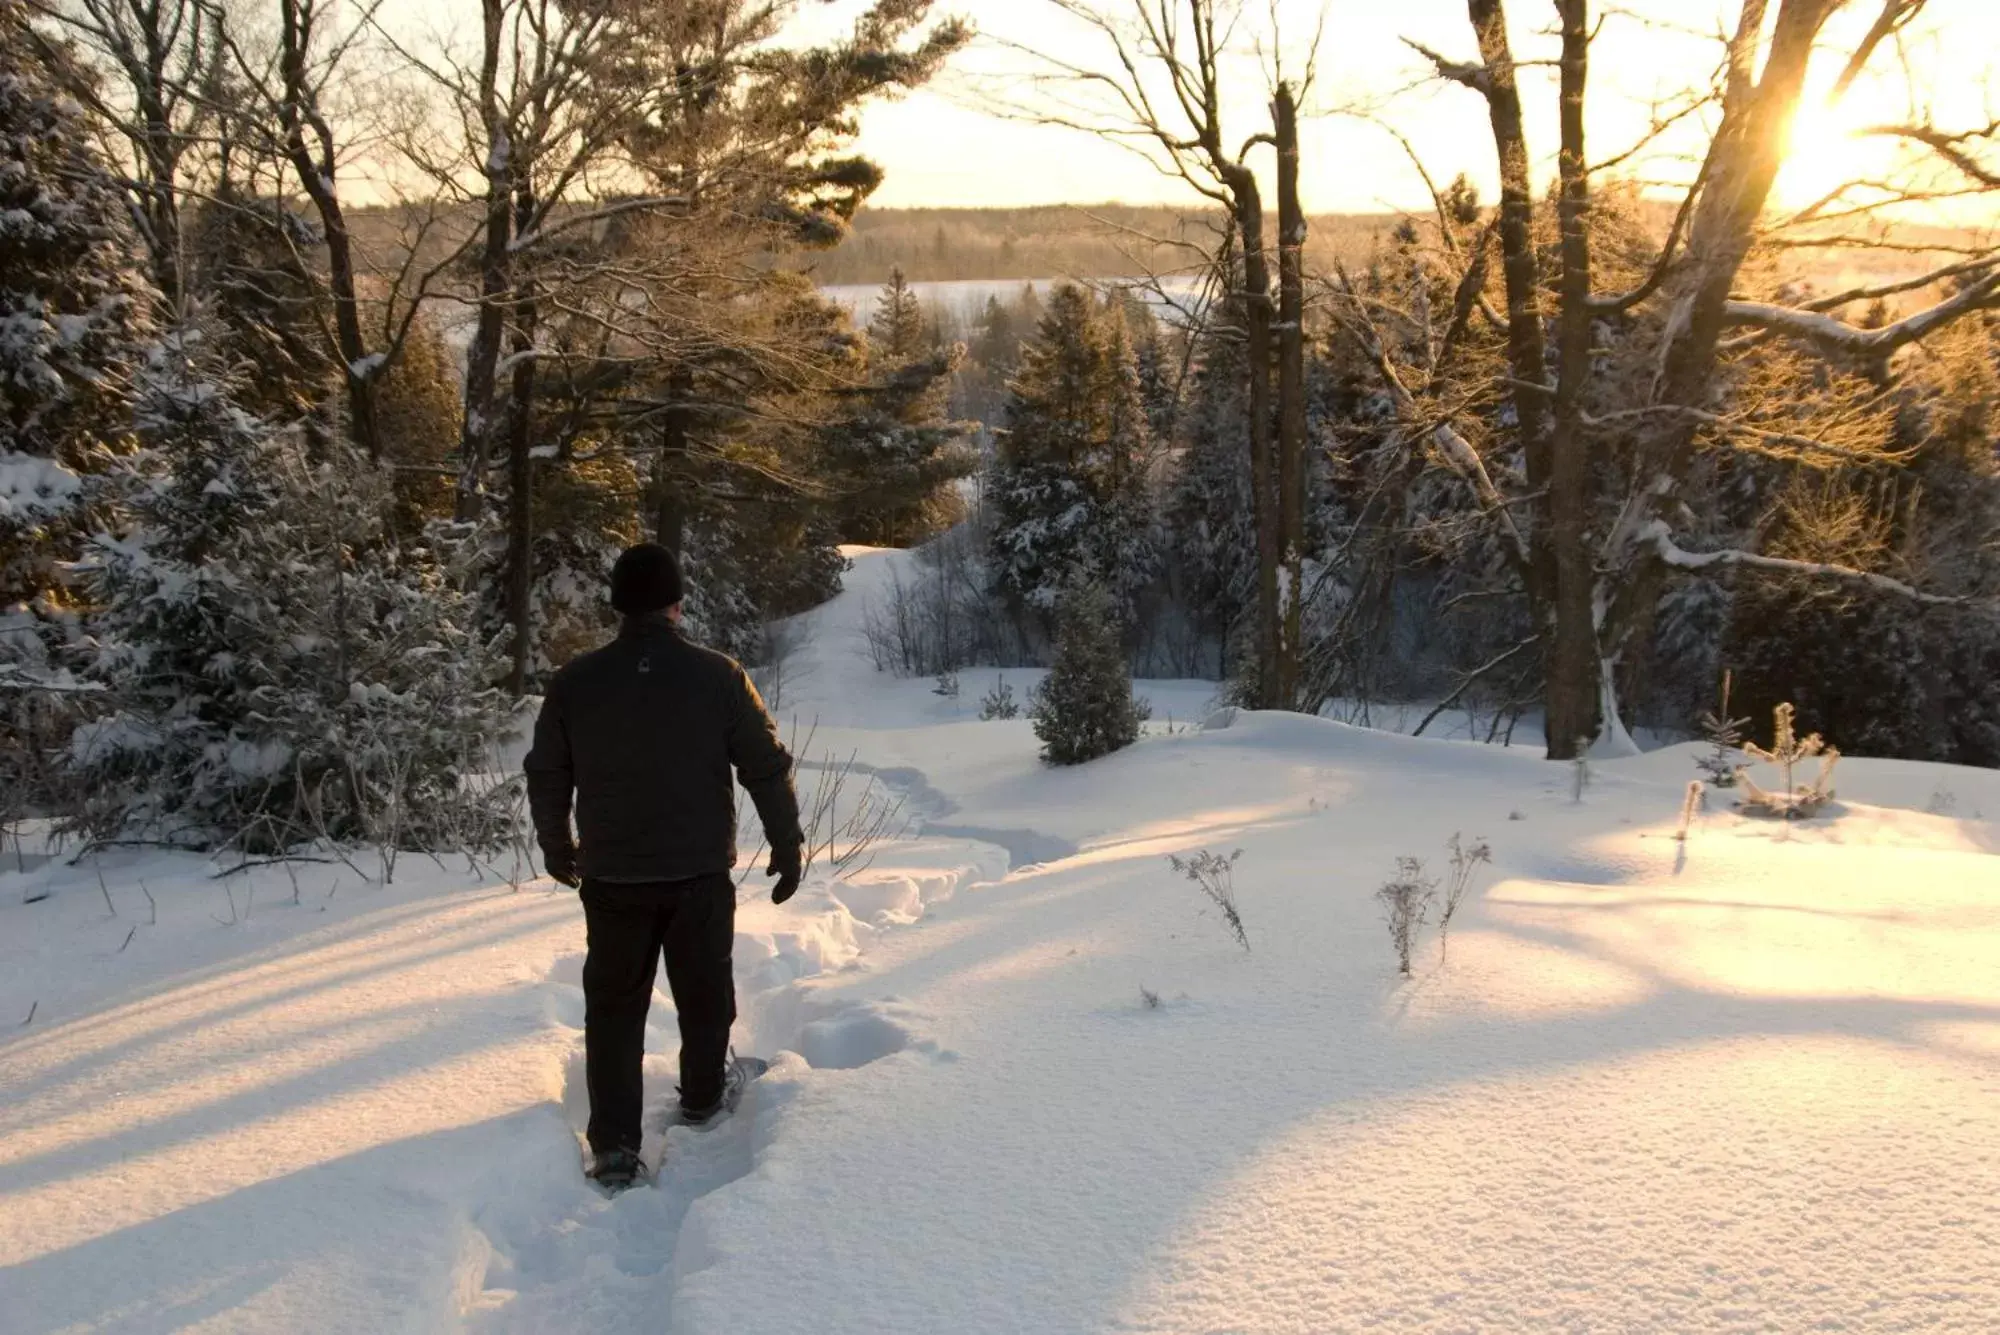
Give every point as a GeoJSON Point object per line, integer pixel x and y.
{"type": "Point", "coordinates": [1833, 160]}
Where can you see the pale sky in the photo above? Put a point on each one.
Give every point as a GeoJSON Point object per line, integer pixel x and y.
{"type": "Point", "coordinates": [944, 146]}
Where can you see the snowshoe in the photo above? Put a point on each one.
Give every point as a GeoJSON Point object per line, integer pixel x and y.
{"type": "Point", "coordinates": [736, 1077]}
{"type": "Point", "coordinates": [617, 1170]}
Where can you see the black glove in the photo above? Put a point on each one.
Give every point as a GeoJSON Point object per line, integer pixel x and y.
{"type": "Point", "coordinates": [561, 865]}
{"type": "Point", "coordinates": [788, 868]}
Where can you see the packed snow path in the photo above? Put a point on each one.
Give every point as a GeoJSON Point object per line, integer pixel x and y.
{"type": "Point", "coordinates": [1743, 1083]}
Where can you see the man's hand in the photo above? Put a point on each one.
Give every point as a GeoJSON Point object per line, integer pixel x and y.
{"type": "Point", "coordinates": [787, 867]}
{"type": "Point", "coordinates": [561, 866]}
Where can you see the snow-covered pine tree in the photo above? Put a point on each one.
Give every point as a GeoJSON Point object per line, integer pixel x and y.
{"type": "Point", "coordinates": [1084, 708]}
{"type": "Point", "coordinates": [1211, 529]}
{"type": "Point", "coordinates": [1156, 357]}
{"type": "Point", "coordinates": [261, 304]}
{"type": "Point", "coordinates": [279, 670]}
{"type": "Point", "coordinates": [893, 459]}
{"type": "Point", "coordinates": [181, 629]}
{"type": "Point", "coordinates": [997, 344]}
{"type": "Point", "coordinates": [1125, 556]}
{"type": "Point", "coordinates": [1069, 487]}
{"type": "Point", "coordinates": [1040, 491]}
{"type": "Point", "coordinates": [73, 316]}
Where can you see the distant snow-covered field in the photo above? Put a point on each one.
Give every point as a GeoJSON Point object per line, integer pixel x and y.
{"type": "Point", "coordinates": [1749, 1081]}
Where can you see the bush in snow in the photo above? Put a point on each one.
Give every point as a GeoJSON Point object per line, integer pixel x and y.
{"type": "Point", "coordinates": [999, 703]}
{"type": "Point", "coordinates": [1787, 749]}
{"type": "Point", "coordinates": [1465, 859]}
{"type": "Point", "coordinates": [943, 616]}
{"type": "Point", "coordinates": [1084, 708]}
{"type": "Point", "coordinates": [278, 670]}
{"type": "Point", "coordinates": [1406, 901]}
{"type": "Point", "coordinates": [847, 813]}
{"type": "Point", "coordinates": [1216, 875]}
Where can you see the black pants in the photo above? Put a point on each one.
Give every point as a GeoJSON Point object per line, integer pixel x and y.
{"type": "Point", "coordinates": [693, 923]}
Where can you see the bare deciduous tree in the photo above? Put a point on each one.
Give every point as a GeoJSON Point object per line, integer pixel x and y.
{"type": "Point", "coordinates": [1592, 526]}
{"type": "Point", "coordinates": [1162, 92]}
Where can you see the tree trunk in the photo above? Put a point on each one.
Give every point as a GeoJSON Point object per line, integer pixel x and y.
{"type": "Point", "coordinates": [1263, 484]}
{"type": "Point", "coordinates": [1527, 358]}
{"type": "Point", "coordinates": [1573, 660]}
{"type": "Point", "coordinates": [1743, 163]}
{"type": "Point", "coordinates": [1291, 397]}
{"type": "Point", "coordinates": [521, 474]}
{"type": "Point", "coordinates": [495, 271]}
{"type": "Point", "coordinates": [160, 150]}
{"type": "Point", "coordinates": [316, 178]}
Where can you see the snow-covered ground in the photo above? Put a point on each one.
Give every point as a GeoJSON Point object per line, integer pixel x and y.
{"type": "Point", "coordinates": [1746, 1082]}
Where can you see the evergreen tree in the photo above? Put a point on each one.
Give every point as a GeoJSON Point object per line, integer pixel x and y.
{"type": "Point", "coordinates": [277, 670]}
{"type": "Point", "coordinates": [1125, 554]}
{"type": "Point", "coordinates": [73, 309]}
{"type": "Point", "coordinates": [1084, 708]}
{"type": "Point", "coordinates": [997, 346]}
{"type": "Point", "coordinates": [893, 459]}
{"type": "Point", "coordinates": [1068, 487]}
{"type": "Point", "coordinates": [896, 329]}
{"type": "Point", "coordinates": [260, 303]}
{"type": "Point", "coordinates": [1209, 512]}
{"type": "Point", "coordinates": [1158, 371]}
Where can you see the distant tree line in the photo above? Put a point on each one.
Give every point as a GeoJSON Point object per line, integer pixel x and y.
{"type": "Point", "coordinates": [1081, 242]}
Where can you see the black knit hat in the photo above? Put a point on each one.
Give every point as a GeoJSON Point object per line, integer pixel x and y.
{"type": "Point", "coordinates": [645, 579]}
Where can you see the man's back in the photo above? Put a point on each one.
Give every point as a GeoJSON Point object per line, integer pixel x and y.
{"type": "Point", "coordinates": [646, 730]}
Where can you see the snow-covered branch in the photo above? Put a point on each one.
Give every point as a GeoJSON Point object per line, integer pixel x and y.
{"type": "Point", "coordinates": [1662, 540]}
{"type": "Point", "coordinates": [1979, 264]}
{"type": "Point", "coordinates": [13, 678]}
{"type": "Point", "coordinates": [1465, 461]}
{"type": "Point", "coordinates": [1837, 338]}
{"type": "Point", "coordinates": [1473, 75]}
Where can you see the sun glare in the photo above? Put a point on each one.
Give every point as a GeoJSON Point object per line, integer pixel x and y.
{"type": "Point", "coordinates": [1831, 149]}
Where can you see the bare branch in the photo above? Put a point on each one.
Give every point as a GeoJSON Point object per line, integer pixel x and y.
{"type": "Point", "coordinates": [1950, 147]}
{"type": "Point", "coordinates": [1806, 445]}
{"type": "Point", "coordinates": [1895, 16]}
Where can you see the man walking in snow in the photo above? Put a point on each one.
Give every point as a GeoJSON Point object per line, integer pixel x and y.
{"type": "Point", "coordinates": [643, 734]}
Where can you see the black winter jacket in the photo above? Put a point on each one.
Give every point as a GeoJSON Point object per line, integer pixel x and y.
{"type": "Point", "coordinates": [644, 732]}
